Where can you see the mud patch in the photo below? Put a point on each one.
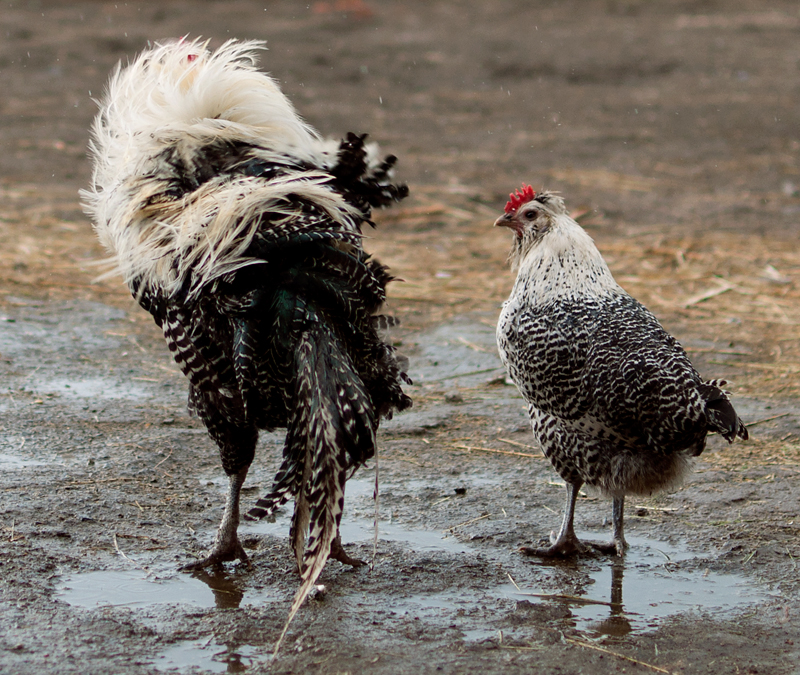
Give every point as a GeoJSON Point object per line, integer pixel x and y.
{"type": "Point", "coordinates": [120, 491]}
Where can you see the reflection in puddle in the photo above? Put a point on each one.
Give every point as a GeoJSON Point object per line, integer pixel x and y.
{"type": "Point", "coordinates": [649, 585]}
{"type": "Point", "coordinates": [227, 594]}
{"type": "Point", "coordinates": [134, 588]}
{"type": "Point", "coordinates": [616, 623]}
{"type": "Point", "coordinates": [623, 596]}
{"type": "Point", "coordinates": [628, 596]}
{"type": "Point", "coordinates": [654, 581]}
{"type": "Point", "coordinates": [209, 657]}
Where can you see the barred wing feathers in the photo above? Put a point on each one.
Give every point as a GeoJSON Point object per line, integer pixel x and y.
{"type": "Point", "coordinates": [607, 362]}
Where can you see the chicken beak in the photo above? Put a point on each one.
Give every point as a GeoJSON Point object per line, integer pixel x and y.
{"type": "Point", "coordinates": [504, 220]}
{"type": "Point", "coordinates": [508, 220]}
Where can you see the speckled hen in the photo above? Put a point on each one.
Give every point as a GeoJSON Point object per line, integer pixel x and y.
{"type": "Point", "coordinates": [614, 401]}
{"type": "Point", "coordinates": [239, 229]}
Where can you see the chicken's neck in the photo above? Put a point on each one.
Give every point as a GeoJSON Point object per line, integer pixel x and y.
{"type": "Point", "coordinates": [563, 265]}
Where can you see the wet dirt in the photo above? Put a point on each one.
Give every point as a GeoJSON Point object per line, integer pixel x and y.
{"type": "Point", "coordinates": [106, 494]}
{"type": "Point", "coordinates": [676, 116]}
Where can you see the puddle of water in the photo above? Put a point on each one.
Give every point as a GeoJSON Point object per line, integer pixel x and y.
{"type": "Point", "coordinates": [202, 654]}
{"type": "Point", "coordinates": [479, 634]}
{"type": "Point", "coordinates": [132, 588]}
{"type": "Point", "coordinates": [630, 596]}
{"type": "Point", "coordinates": [94, 388]}
{"type": "Point", "coordinates": [357, 530]}
{"type": "Point", "coordinates": [623, 596]}
{"type": "Point", "coordinates": [13, 462]}
{"type": "Point", "coordinates": [636, 594]}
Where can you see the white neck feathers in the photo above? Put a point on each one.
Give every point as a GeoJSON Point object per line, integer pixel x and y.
{"type": "Point", "coordinates": [563, 264]}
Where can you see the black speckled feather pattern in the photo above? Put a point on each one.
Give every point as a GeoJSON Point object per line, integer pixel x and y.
{"type": "Point", "coordinates": [614, 400]}
{"type": "Point", "coordinates": [292, 342]}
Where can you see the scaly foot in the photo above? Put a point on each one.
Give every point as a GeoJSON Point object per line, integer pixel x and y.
{"type": "Point", "coordinates": [219, 554]}
{"type": "Point", "coordinates": [565, 546]}
{"type": "Point", "coordinates": [226, 544]}
{"type": "Point", "coordinates": [338, 553]}
{"type": "Point", "coordinates": [613, 547]}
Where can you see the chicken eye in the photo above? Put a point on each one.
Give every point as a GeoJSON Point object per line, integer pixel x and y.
{"type": "Point", "coordinates": [530, 214]}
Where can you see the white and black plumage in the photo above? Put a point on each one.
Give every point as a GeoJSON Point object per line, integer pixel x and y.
{"type": "Point", "coordinates": [614, 401]}
{"type": "Point", "coordinates": [239, 230]}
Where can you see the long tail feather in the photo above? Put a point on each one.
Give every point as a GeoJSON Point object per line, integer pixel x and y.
{"type": "Point", "coordinates": [302, 512]}
{"type": "Point", "coordinates": [284, 487]}
{"type": "Point", "coordinates": [375, 498]}
{"type": "Point", "coordinates": [289, 477]}
{"type": "Point", "coordinates": [334, 414]}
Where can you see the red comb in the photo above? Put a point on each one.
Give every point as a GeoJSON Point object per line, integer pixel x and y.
{"type": "Point", "coordinates": [518, 198]}
{"type": "Point", "coordinates": [189, 57]}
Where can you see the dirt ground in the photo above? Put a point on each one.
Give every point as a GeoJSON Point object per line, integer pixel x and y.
{"type": "Point", "coordinates": [673, 131]}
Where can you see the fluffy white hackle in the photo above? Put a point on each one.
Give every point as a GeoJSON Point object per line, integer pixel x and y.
{"type": "Point", "coordinates": [180, 95]}
{"type": "Point", "coordinates": [563, 263]}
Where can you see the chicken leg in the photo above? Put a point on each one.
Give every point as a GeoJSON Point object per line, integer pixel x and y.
{"type": "Point", "coordinates": [566, 543]}
{"type": "Point", "coordinates": [226, 545]}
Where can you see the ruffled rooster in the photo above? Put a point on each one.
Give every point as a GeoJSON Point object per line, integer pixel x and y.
{"type": "Point", "coordinates": [239, 229]}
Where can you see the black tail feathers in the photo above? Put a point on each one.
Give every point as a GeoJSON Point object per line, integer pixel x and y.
{"type": "Point", "coordinates": [721, 413]}
{"type": "Point", "coordinates": [362, 183]}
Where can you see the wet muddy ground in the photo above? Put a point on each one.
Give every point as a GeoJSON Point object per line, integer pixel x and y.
{"type": "Point", "coordinates": [108, 486]}
{"type": "Point", "coordinates": [672, 125]}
